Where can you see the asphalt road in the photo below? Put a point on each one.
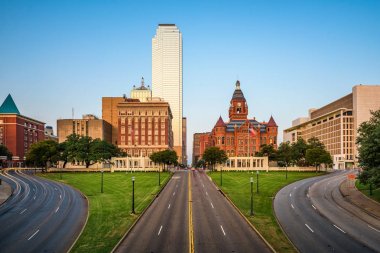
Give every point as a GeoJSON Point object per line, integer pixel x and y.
{"type": "Point", "coordinates": [191, 215]}
{"type": "Point", "coordinates": [218, 227]}
{"type": "Point", "coordinates": [164, 226]}
{"type": "Point", "coordinates": [40, 215]}
{"type": "Point", "coordinates": [312, 215]}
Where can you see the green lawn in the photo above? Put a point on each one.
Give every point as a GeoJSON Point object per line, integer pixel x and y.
{"type": "Point", "coordinates": [110, 213]}
{"type": "Point", "coordinates": [365, 189]}
{"type": "Point", "coordinates": [237, 186]}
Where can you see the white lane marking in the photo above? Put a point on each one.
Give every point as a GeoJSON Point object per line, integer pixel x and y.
{"type": "Point", "coordinates": [34, 197]}
{"type": "Point", "coordinates": [169, 206]}
{"type": "Point", "coordinates": [309, 228]}
{"type": "Point", "coordinates": [374, 228]}
{"type": "Point", "coordinates": [314, 207]}
{"type": "Point", "coordinates": [33, 234]}
{"type": "Point", "coordinates": [212, 205]}
{"type": "Point", "coordinates": [295, 187]}
{"type": "Point", "coordinates": [206, 193]}
{"type": "Point", "coordinates": [159, 231]}
{"type": "Point", "coordinates": [339, 228]}
{"type": "Point", "coordinates": [290, 195]}
{"type": "Point", "coordinates": [173, 193]}
{"type": "Point", "coordinates": [308, 195]}
{"type": "Point", "coordinates": [60, 196]}
{"type": "Point", "coordinates": [203, 185]}
{"type": "Point", "coordinates": [56, 210]}
{"type": "Point", "coordinates": [23, 211]}
{"type": "Point", "coordinates": [223, 230]}
{"type": "Point", "coordinates": [292, 206]}
{"type": "Point", "coordinates": [56, 189]}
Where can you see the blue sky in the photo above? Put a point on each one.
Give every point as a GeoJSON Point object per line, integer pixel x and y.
{"type": "Point", "coordinates": [289, 55]}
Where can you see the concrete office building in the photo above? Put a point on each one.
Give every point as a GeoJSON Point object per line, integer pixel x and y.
{"type": "Point", "coordinates": [49, 134]}
{"type": "Point", "coordinates": [336, 124]}
{"type": "Point", "coordinates": [89, 125]}
{"type": "Point", "coordinates": [141, 93]}
{"type": "Point", "coordinates": [167, 78]}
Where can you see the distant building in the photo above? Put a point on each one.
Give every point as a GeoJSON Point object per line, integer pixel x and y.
{"type": "Point", "coordinates": [184, 140]}
{"type": "Point", "coordinates": [240, 136]}
{"type": "Point", "coordinates": [18, 132]}
{"type": "Point", "coordinates": [141, 93]}
{"type": "Point", "coordinates": [110, 114]}
{"type": "Point", "coordinates": [49, 134]}
{"type": "Point", "coordinates": [167, 77]}
{"type": "Point", "coordinates": [89, 125]}
{"type": "Point", "coordinates": [336, 124]}
{"type": "Point", "coordinates": [199, 138]}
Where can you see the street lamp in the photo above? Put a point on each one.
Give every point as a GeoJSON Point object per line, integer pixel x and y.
{"type": "Point", "coordinates": [257, 179]}
{"type": "Point", "coordinates": [221, 176]}
{"type": "Point", "coordinates": [286, 168]}
{"type": "Point", "coordinates": [133, 194]}
{"type": "Point", "coordinates": [159, 175]}
{"type": "Point", "coordinates": [251, 196]}
{"type": "Point", "coordinates": [101, 189]}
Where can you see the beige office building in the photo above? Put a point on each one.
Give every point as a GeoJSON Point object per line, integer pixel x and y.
{"type": "Point", "coordinates": [167, 77]}
{"type": "Point", "coordinates": [89, 125]}
{"type": "Point", "coordinates": [336, 124]}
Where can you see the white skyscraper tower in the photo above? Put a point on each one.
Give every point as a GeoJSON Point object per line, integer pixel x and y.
{"type": "Point", "coordinates": [167, 78]}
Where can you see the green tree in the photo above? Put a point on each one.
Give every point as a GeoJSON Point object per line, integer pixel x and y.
{"type": "Point", "coordinates": [317, 156]}
{"type": "Point", "coordinates": [298, 150]}
{"type": "Point", "coordinates": [269, 151]}
{"type": "Point", "coordinates": [200, 163]}
{"type": "Point", "coordinates": [164, 157]}
{"type": "Point", "coordinates": [43, 153]}
{"type": "Point", "coordinates": [368, 141]}
{"type": "Point", "coordinates": [4, 151]}
{"type": "Point", "coordinates": [214, 155]}
{"type": "Point", "coordinates": [284, 154]}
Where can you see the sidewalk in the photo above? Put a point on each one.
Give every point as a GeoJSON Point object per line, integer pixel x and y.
{"type": "Point", "coordinates": [5, 191]}
{"type": "Point", "coordinates": [353, 195]}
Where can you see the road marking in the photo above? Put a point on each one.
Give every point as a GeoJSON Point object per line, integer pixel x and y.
{"type": "Point", "coordinates": [56, 210]}
{"type": "Point", "coordinates": [292, 206]}
{"type": "Point", "coordinates": [308, 195]}
{"type": "Point", "coordinates": [203, 185]}
{"type": "Point", "coordinates": [56, 189]}
{"type": "Point", "coordinates": [295, 187]}
{"type": "Point", "coordinates": [191, 231]}
{"type": "Point", "coordinates": [169, 206]}
{"type": "Point", "coordinates": [34, 234]}
{"type": "Point", "coordinates": [290, 195]}
{"type": "Point", "coordinates": [206, 193]}
{"type": "Point", "coordinates": [309, 228]}
{"type": "Point", "coordinates": [223, 230]}
{"type": "Point", "coordinates": [173, 193]}
{"type": "Point", "coordinates": [212, 205]}
{"type": "Point", "coordinates": [374, 228]}
{"type": "Point", "coordinates": [314, 207]}
{"type": "Point", "coordinates": [159, 231]}
{"type": "Point", "coordinates": [339, 228]}
{"type": "Point", "coordinates": [23, 211]}
{"type": "Point", "coordinates": [60, 196]}
{"type": "Point", "coordinates": [34, 197]}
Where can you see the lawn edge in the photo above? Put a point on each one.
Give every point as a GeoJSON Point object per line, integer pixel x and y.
{"type": "Point", "coordinates": [373, 200]}
{"type": "Point", "coordinates": [88, 209]}
{"type": "Point", "coordinates": [142, 213]}
{"type": "Point", "coordinates": [245, 218]}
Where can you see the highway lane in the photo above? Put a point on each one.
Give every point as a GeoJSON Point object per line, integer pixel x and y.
{"type": "Point", "coordinates": [40, 215]}
{"type": "Point", "coordinates": [164, 227]}
{"type": "Point", "coordinates": [306, 226]}
{"type": "Point", "coordinates": [218, 227]}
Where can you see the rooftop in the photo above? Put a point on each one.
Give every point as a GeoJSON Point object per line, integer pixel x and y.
{"type": "Point", "coordinates": [9, 106]}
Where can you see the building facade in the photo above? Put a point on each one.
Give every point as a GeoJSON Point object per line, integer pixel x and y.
{"type": "Point", "coordinates": [18, 132]}
{"type": "Point", "coordinates": [89, 125]}
{"type": "Point", "coordinates": [167, 77]}
{"type": "Point", "coordinates": [144, 127]}
{"type": "Point", "coordinates": [141, 93]}
{"type": "Point", "coordinates": [198, 139]}
{"type": "Point", "coordinates": [241, 136]}
{"type": "Point", "coordinates": [49, 134]}
{"type": "Point", "coordinates": [110, 114]}
{"type": "Point", "coordinates": [336, 124]}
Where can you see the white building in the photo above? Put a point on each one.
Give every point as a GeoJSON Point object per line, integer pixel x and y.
{"type": "Point", "coordinates": [167, 77]}
{"type": "Point", "coordinates": [142, 93]}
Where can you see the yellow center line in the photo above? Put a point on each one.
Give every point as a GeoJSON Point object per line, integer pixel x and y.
{"type": "Point", "coordinates": [191, 232]}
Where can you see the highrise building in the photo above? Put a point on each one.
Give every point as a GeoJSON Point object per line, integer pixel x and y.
{"type": "Point", "coordinates": [167, 78]}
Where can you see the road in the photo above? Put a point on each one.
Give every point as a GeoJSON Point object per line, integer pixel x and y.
{"type": "Point", "coordinates": [40, 215]}
{"type": "Point", "coordinates": [315, 218]}
{"type": "Point", "coordinates": [191, 215]}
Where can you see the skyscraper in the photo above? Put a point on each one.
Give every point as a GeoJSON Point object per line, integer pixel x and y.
{"type": "Point", "coordinates": [167, 78]}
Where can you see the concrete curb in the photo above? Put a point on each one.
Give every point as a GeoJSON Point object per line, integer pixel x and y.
{"type": "Point", "coordinates": [245, 218]}
{"type": "Point", "coordinates": [9, 195]}
{"type": "Point", "coordinates": [142, 213]}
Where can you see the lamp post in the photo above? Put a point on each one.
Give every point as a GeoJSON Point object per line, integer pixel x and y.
{"type": "Point", "coordinates": [159, 175]}
{"type": "Point", "coordinates": [221, 176]}
{"type": "Point", "coordinates": [286, 168]}
{"type": "Point", "coordinates": [257, 183]}
{"type": "Point", "coordinates": [251, 196]}
{"type": "Point", "coordinates": [133, 194]}
{"type": "Point", "coordinates": [101, 189]}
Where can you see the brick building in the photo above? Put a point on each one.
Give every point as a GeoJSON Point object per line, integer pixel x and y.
{"type": "Point", "coordinates": [200, 143]}
{"type": "Point", "coordinates": [240, 136]}
{"type": "Point", "coordinates": [18, 132]}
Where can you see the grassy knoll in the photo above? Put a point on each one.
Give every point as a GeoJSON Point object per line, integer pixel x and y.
{"type": "Point", "coordinates": [237, 186]}
{"type": "Point", "coordinates": [364, 188]}
{"type": "Point", "coordinates": [110, 212]}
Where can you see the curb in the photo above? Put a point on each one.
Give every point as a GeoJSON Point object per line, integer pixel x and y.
{"type": "Point", "coordinates": [142, 213]}
{"type": "Point", "coordinates": [245, 218]}
{"type": "Point", "coordinates": [12, 190]}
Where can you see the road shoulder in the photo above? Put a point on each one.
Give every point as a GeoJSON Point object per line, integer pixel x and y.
{"type": "Point", "coordinates": [5, 191]}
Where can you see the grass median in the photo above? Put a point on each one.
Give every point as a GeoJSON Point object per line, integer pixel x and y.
{"type": "Point", "coordinates": [110, 212]}
{"type": "Point", "coordinates": [238, 188]}
{"type": "Point", "coordinates": [364, 188]}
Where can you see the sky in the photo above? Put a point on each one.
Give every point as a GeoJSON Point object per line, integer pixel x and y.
{"type": "Point", "coordinates": [288, 55]}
